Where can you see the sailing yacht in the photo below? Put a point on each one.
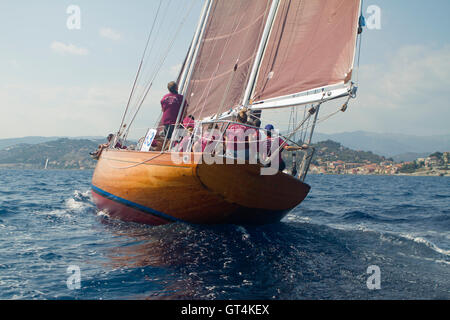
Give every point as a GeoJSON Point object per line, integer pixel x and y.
{"type": "Point", "coordinates": [285, 55]}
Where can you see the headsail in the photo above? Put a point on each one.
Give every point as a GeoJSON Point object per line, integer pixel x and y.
{"type": "Point", "coordinates": [226, 55]}
{"type": "Point", "coordinates": [312, 45]}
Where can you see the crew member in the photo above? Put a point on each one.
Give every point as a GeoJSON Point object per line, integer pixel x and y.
{"type": "Point", "coordinates": [281, 142]}
{"type": "Point", "coordinates": [170, 104]}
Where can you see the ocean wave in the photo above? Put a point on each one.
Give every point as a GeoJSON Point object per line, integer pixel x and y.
{"type": "Point", "coordinates": [82, 196]}
{"type": "Point", "coordinates": [245, 234]}
{"type": "Point", "coordinates": [427, 243]}
{"type": "Point", "coordinates": [441, 196]}
{"type": "Point", "coordinates": [314, 213]}
{"type": "Point", "coordinates": [4, 211]}
{"type": "Point", "coordinates": [358, 215]}
{"type": "Point", "coordinates": [7, 192]}
{"type": "Point", "coordinates": [407, 208]}
{"type": "Point", "coordinates": [57, 213]}
{"type": "Point", "coordinates": [79, 201]}
{"type": "Point", "coordinates": [295, 218]}
{"type": "Point", "coordinates": [103, 214]}
{"type": "Point", "coordinates": [392, 237]}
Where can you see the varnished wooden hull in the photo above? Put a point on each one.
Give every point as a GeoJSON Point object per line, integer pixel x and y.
{"type": "Point", "coordinates": [148, 187]}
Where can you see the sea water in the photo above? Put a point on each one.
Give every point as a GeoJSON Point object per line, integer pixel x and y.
{"type": "Point", "coordinates": [354, 237]}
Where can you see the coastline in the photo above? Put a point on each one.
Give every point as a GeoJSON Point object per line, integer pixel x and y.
{"type": "Point", "coordinates": [413, 174]}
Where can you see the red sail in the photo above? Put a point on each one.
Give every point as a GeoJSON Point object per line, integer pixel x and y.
{"type": "Point", "coordinates": [311, 45]}
{"type": "Point", "coordinates": [226, 55]}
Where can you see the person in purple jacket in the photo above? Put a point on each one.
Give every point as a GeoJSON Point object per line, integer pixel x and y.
{"type": "Point", "coordinates": [170, 104]}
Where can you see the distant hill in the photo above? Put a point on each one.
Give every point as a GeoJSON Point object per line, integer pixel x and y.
{"type": "Point", "coordinates": [333, 151]}
{"type": "Point", "coordinates": [4, 143]}
{"type": "Point", "coordinates": [409, 156]}
{"type": "Point", "coordinates": [62, 154]}
{"type": "Point", "coordinates": [389, 145]}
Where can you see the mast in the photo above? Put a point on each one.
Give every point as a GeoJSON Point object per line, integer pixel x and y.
{"type": "Point", "coordinates": [260, 52]}
{"type": "Point", "coordinates": [191, 59]}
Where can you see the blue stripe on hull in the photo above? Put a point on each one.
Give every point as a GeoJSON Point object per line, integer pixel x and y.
{"type": "Point", "coordinates": [135, 205]}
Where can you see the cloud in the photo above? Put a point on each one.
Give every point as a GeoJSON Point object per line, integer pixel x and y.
{"type": "Point", "coordinates": [412, 74]}
{"type": "Point", "coordinates": [406, 94]}
{"type": "Point", "coordinates": [14, 63]}
{"type": "Point", "coordinates": [62, 48]}
{"type": "Point", "coordinates": [57, 110]}
{"type": "Point", "coordinates": [110, 34]}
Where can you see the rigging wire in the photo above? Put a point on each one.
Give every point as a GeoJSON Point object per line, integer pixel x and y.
{"type": "Point", "coordinates": [159, 65]}
{"type": "Point", "coordinates": [139, 69]}
{"type": "Point", "coordinates": [359, 43]}
{"type": "Point", "coordinates": [140, 95]}
{"type": "Point", "coordinates": [153, 48]}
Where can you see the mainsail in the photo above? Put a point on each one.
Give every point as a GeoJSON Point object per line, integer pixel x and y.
{"type": "Point", "coordinates": [312, 45]}
{"type": "Point", "coordinates": [226, 55]}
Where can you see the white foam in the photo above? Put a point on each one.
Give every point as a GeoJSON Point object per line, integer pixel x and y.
{"type": "Point", "coordinates": [82, 195]}
{"type": "Point", "coordinates": [73, 204]}
{"type": "Point", "coordinates": [79, 201]}
{"type": "Point", "coordinates": [103, 214]}
{"type": "Point", "coordinates": [58, 213]}
{"type": "Point", "coordinates": [245, 234]}
{"type": "Point", "coordinates": [296, 218]}
{"type": "Point", "coordinates": [426, 242]}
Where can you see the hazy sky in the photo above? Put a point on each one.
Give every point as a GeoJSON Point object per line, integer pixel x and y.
{"type": "Point", "coordinates": [60, 82]}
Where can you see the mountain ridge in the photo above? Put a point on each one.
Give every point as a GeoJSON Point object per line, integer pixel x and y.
{"type": "Point", "coordinates": [396, 145]}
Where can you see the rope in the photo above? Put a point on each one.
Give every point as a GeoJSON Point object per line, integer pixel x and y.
{"type": "Point", "coordinates": [136, 164]}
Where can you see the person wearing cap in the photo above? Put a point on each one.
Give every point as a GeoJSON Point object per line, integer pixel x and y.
{"type": "Point", "coordinates": [170, 105]}
{"type": "Point", "coordinates": [281, 142]}
{"type": "Point", "coordinates": [101, 147]}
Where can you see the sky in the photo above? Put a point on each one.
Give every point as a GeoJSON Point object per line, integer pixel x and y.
{"type": "Point", "coordinates": [57, 80]}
